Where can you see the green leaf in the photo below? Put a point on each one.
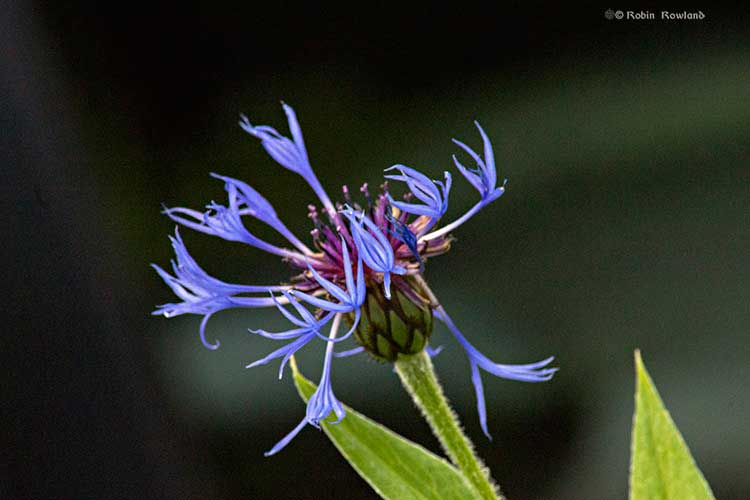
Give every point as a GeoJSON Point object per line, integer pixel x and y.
{"type": "Point", "coordinates": [394, 467]}
{"type": "Point", "coordinates": [661, 466]}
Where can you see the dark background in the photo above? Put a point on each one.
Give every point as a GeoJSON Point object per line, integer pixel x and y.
{"type": "Point", "coordinates": [625, 225]}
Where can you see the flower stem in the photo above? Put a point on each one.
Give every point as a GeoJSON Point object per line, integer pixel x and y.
{"type": "Point", "coordinates": [418, 377]}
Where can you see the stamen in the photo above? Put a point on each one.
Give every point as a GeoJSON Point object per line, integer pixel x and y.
{"type": "Point", "coordinates": [366, 191]}
{"type": "Point", "coordinates": [347, 195]}
{"type": "Point", "coordinates": [313, 215]}
{"type": "Point", "coordinates": [331, 256]}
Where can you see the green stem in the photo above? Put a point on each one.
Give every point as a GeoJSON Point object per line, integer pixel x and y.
{"type": "Point", "coordinates": [418, 377]}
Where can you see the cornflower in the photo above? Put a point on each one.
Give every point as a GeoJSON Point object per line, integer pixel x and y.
{"type": "Point", "coordinates": [364, 265]}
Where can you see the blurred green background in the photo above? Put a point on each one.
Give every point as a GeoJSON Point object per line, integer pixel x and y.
{"type": "Point", "coordinates": [626, 225]}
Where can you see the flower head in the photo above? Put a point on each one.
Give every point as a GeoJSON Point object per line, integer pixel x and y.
{"type": "Point", "coordinates": [364, 265]}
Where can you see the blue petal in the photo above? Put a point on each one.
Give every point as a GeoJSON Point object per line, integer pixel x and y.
{"type": "Point", "coordinates": [402, 233]}
{"type": "Point", "coordinates": [301, 310]}
{"type": "Point", "coordinates": [424, 189]}
{"type": "Point", "coordinates": [259, 207]}
{"type": "Point", "coordinates": [476, 379]}
{"type": "Point", "coordinates": [203, 294]}
{"type": "Point", "coordinates": [326, 305]}
{"type": "Point", "coordinates": [489, 157]}
{"type": "Point", "coordinates": [321, 403]}
{"type": "Point", "coordinates": [433, 351]}
{"type": "Point", "coordinates": [373, 247]}
{"type": "Point", "coordinates": [287, 335]}
{"type": "Point", "coordinates": [285, 441]}
{"type": "Point", "coordinates": [413, 208]}
{"type": "Point", "coordinates": [531, 372]}
{"type": "Point", "coordinates": [290, 154]}
{"type": "Point", "coordinates": [387, 285]}
{"type": "Point", "coordinates": [329, 286]}
{"type": "Point", "coordinates": [349, 300]}
{"type": "Point", "coordinates": [350, 352]}
{"type": "Point", "coordinates": [420, 185]}
{"type": "Point", "coordinates": [205, 342]}
{"type": "Point", "coordinates": [286, 351]}
{"type": "Point", "coordinates": [484, 177]}
{"type": "Point", "coordinates": [286, 313]}
{"type": "Point", "coordinates": [226, 223]}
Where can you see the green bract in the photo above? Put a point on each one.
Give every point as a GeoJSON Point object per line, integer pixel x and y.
{"type": "Point", "coordinates": [389, 327]}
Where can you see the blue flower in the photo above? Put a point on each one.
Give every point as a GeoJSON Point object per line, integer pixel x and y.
{"type": "Point", "coordinates": [532, 372]}
{"type": "Point", "coordinates": [435, 201]}
{"type": "Point", "coordinates": [325, 287]}
{"type": "Point", "coordinates": [201, 293]}
{"type": "Point", "coordinates": [374, 247]}
{"type": "Point", "coordinates": [290, 154]}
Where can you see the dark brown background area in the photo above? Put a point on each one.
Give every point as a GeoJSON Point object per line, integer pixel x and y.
{"type": "Point", "coordinates": [625, 225]}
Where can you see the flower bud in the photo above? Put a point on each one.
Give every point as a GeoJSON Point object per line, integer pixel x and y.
{"type": "Point", "coordinates": [388, 328]}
